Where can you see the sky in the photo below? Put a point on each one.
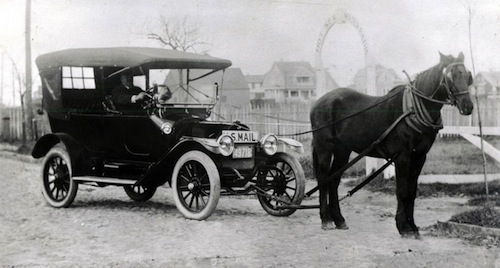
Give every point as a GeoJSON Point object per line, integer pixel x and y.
{"type": "Point", "coordinates": [253, 34]}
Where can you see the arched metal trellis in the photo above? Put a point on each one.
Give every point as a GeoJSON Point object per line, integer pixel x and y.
{"type": "Point", "coordinates": [341, 17]}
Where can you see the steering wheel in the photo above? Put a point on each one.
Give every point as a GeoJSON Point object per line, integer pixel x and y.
{"type": "Point", "coordinates": [156, 96]}
{"type": "Point", "coordinates": [150, 100]}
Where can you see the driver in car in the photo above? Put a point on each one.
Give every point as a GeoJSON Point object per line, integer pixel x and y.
{"type": "Point", "coordinates": [126, 96]}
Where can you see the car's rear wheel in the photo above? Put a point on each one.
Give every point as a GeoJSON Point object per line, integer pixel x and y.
{"type": "Point", "coordinates": [196, 185]}
{"type": "Point", "coordinates": [59, 188]}
{"type": "Point", "coordinates": [285, 181]}
{"type": "Point", "coordinates": [139, 193]}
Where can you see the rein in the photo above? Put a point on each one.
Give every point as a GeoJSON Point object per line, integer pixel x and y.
{"type": "Point", "coordinates": [416, 114]}
{"type": "Point", "coordinates": [341, 119]}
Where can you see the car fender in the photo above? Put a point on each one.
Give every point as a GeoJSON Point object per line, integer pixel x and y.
{"type": "Point", "coordinates": [161, 172]}
{"type": "Point", "coordinates": [73, 147]}
{"type": "Point", "coordinates": [286, 145]}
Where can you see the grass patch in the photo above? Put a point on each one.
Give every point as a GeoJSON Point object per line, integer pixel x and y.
{"type": "Point", "coordinates": [478, 239]}
{"type": "Point", "coordinates": [388, 186]}
{"type": "Point", "coordinates": [486, 216]}
{"type": "Point", "coordinates": [493, 200]}
{"type": "Point", "coordinates": [455, 155]}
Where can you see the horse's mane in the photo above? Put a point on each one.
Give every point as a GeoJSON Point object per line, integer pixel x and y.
{"type": "Point", "coordinates": [429, 78]}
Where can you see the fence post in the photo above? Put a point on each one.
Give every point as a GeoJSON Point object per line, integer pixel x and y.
{"type": "Point", "coordinates": [6, 128]}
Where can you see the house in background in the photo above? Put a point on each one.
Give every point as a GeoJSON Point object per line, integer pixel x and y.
{"type": "Point", "coordinates": [487, 84]}
{"type": "Point", "coordinates": [386, 79]}
{"type": "Point", "coordinates": [234, 91]}
{"type": "Point", "coordinates": [292, 82]}
{"type": "Point", "coordinates": [257, 93]}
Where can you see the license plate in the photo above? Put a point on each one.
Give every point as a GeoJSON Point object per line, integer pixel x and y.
{"type": "Point", "coordinates": [240, 136]}
{"type": "Point", "coordinates": [243, 152]}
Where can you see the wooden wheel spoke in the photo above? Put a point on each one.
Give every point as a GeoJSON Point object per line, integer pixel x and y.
{"type": "Point", "coordinates": [203, 201]}
{"type": "Point", "coordinates": [183, 188]}
{"type": "Point", "coordinates": [188, 167]}
{"type": "Point", "coordinates": [185, 197]}
{"type": "Point", "coordinates": [291, 188]}
{"type": "Point", "coordinates": [192, 199]}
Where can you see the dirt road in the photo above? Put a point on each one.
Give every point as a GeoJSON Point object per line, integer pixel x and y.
{"type": "Point", "coordinates": [105, 229]}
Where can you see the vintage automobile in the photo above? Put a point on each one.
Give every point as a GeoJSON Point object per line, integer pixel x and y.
{"type": "Point", "coordinates": [169, 137]}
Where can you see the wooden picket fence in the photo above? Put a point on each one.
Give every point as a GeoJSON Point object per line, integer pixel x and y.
{"type": "Point", "coordinates": [11, 125]}
{"type": "Point", "coordinates": [488, 107]}
{"type": "Point", "coordinates": [285, 119]}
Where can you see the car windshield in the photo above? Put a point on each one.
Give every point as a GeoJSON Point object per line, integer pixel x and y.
{"type": "Point", "coordinates": [189, 87]}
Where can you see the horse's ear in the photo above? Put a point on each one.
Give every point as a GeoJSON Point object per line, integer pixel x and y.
{"type": "Point", "coordinates": [461, 57]}
{"type": "Point", "coordinates": [442, 58]}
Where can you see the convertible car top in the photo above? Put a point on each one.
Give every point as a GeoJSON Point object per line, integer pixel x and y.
{"type": "Point", "coordinates": [151, 58]}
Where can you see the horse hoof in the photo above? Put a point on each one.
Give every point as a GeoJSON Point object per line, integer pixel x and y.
{"type": "Point", "coordinates": [327, 226]}
{"type": "Point", "coordinates": [411, 234]}
{"type": "Point", "coordinates": [342, 226]}
{"type": "Point", "coordinates": [417, 235]}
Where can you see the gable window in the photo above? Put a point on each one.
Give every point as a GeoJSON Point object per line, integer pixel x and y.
{"type": "Point", "coordinates": [78, 77]}
{"type": "Point", "coordinates": [303, 79]}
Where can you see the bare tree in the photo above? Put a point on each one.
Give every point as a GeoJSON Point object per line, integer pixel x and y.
{"type": "Point", "coordinates": [180, 35]}
{"type": "Point", "coordinates": [16, 75]}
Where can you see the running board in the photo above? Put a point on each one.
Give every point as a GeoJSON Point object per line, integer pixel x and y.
{"type": "Point", "coordinates": [104, 180]}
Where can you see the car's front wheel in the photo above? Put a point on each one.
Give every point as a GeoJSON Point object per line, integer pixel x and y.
{"type": "Point", "coordinates": [196, 185]}
{"type": "Point", "coordinates": [286, 181]}
{"type": "Point", "coordinates": [59, 188]}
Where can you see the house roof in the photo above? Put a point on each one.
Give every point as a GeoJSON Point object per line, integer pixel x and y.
{"type": "Point", "coordinates": [492, 78]}
{"type": "Point", "coordinates": [254, 78]}
{"type": "Point", "coordinates": [330, 82]}
{"type": "Point", "coordinates": [290, 70]}
{"type": "Point", "coordinates": [235, 80]}
{"type": "Point", "coordinates": [379, 69]}
{"type": "Point", "coordinates": [295, 68]}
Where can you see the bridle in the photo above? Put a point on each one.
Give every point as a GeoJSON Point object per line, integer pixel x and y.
{"type": "Point", "coordinates": [420, 119]}
{"type": "Point", "coordinates": [452, 96]}
{"type": "Point", "coordinates": [444, 82]}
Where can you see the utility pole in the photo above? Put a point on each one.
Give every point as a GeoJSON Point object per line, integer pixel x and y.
{"type": "Point", "coordinates": [1, 85]}
{"type": "Point", "coordinates": [27, 95]}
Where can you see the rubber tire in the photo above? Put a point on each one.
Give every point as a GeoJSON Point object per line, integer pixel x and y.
{"type": "Point", "coordinates": [133, 191]}
{"type": "Point", "coordinates": [208, 164]}
{"type": "Point", "coordinates": [70, 187]}
{"type": "Point", "coordinates": [300, 184]}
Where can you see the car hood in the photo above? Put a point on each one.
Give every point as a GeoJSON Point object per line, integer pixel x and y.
{"type": "Point", "coordinates": [192, 126]}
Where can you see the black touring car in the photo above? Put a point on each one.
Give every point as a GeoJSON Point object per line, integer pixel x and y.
{"type": "Point", "coordinates": [169, 137]}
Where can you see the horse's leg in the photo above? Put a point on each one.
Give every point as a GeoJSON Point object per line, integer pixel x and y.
{"type": "Point", "coordinates": [340, 159]}
{"type": "Point", "coordinates": [408, 168]}
{"type": "Point", "coordinates": [418, 161]}
{"type": "Point", "coordinates": [322, 158]}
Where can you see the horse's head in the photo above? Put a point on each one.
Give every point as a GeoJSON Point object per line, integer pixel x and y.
{"type": "Point", "coordinates": [456, 80]}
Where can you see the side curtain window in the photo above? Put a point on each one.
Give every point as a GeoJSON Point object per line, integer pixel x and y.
{"type": "Point", "coordinates": [78, 78]}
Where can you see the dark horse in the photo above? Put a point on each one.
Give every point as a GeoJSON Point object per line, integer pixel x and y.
{"type": "Point", "coordinates": [344, 120]}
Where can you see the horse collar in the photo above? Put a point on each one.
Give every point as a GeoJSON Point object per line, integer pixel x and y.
{"type": "Point", "coordinates": [419, 119]}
